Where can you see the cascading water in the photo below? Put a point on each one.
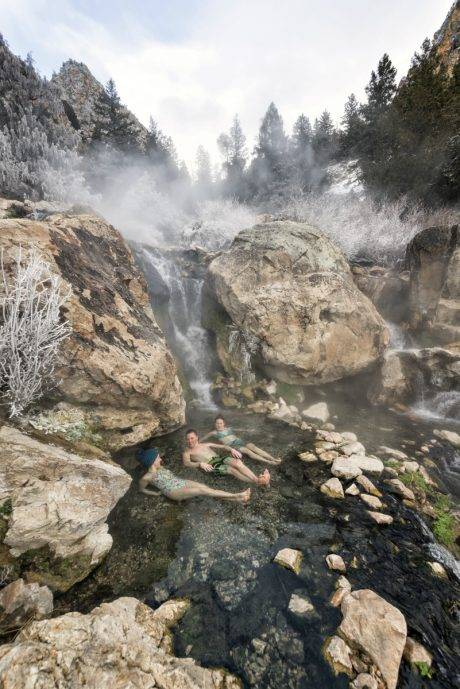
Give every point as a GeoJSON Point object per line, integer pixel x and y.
{"type": "Point", "coordinates": [187, 338]}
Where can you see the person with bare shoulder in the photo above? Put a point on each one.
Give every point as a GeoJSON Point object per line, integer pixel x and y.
{"type": "Point", "coordinates": [205, 456]}
{"type": "Point", "coordinates": [174, 487]}
{"type": "Point", "coordinates": [224, 434]}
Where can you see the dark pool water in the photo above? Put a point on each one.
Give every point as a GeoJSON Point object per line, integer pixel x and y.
{"type": "Point", "coordinates": [219, 555]}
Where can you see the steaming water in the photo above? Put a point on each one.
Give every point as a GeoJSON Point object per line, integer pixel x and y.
{"type": "Point", "coordinates": [444, 405]}
{"type": "Point", "coordinates": [398, 338]}
{"type": "Point", "coordinates": [189, 340]}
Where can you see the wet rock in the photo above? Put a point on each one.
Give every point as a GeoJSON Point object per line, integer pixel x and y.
{"type": "Point", "coordinates": [291, 291]}
{"type": "Point", "coordinates": [338, 654]}
{"type": "Point", "coordinates": [411, 467]}
{"type": "Point", "coordinates": [398, 487]}
{"type": "Point", "coordinates": [21, 602]}
{"type": "Point", "coordinates": [317, 412]}
{"type": "Point", "coordinates": [390, 452]}
{"type": "Point", "coordinates": [390, 471]}
{"type": "Point", "coordinates": [324, 445]}
{"type": "Point", "coordinates": [333, 488]}
{"type": "Point", "coordinates": [352, 490]}
{"type": "Point", "coordinates": [414, 652]}
{"type": "Point", "coordinates": [349, 437]}
{"type": "Point", "coordinates": [338, 596]}
{"type": "Point", "coordinates": [300, 605]}
{"type": "Point", "coordinates": [328, 456]}
{"type": "Point", "coordinates": [336, 563]}
{"type": "Point", "coordinates": [345, 468]}
{"type": "Point", "coordinates": [379, 518]}
{"type": "Point", "coordinates": [368, 486]}
{"type": "Point", "coordinates": [375, 627]}
{"type": "Point", "coordinates": [57, 528]}
{"type": "Point", "coordinates": [438, 569]}
{"type": "Point", "coordinates": [115, 366]}
{"type": "Point", "coordinates": [355, 448]}
{"type": "Point", "coordinates": [123, 643]}
{"type": "Point", "coordinates": [330, 437]}
{"type": "Point", "coordinates": [308, 457]}
{"type": "Point", "coordinates": [370, 465]}
{"type": "Point", "coordinates": [364, 681]}
{"type": "Point", "coordinates": [451, 436]}
{"type": "Point", "coordinates": [289, 558]}
{"type": "Point", "coordinates": [371, 501]}
{"type": "Point", "coordinates": [343, 583]}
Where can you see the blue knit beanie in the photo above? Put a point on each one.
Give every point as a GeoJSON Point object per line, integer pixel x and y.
{"type": "Point", "coordinates": [147, 457]}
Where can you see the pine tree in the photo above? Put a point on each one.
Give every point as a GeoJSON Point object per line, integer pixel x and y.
{"type": "Point", "coordinates": [324, 139]}
{"type": "Point", "coordinates": [352, 127]}
{"type": "Point", "coordinates": [270, 170]}
{"type": "Point", "coordinates": [203, 173]}
{"type": "Point", "coordinates": [380, 89]}
{"type": "Point", "coordinates": [114, 126]}
{"type": "Point", "coordinates": [233, 149]}
{"type": "Point", "coordinates": [302, 153]}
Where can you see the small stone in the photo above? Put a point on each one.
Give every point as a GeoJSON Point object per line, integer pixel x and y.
{"type": "Point", "coordinates": [425, 449]}
{"type": "Point", "coordinates": [308, 457]}
{"type": "Point", "coordinates": [353, 449]}
{"type": "Point", "coordinates": [438, 569]}
{"type": "Point", "coordinates": [369, 465]}
{"type": "Point", "coordinates": [305, 426]}
{"type": "Point", "coordinates": [390, 452]}
{"type": "Point", "coordinates": [300, 605]}
{"type": "Point", "coordinates": [329, 456]}
{"type": "Point", "coordinates": [329, 426]}
{"type": "Point", "coordinates": [352, 490]}
{"type": "Point", "coordinates": [345, 468]}
{"type": "Point", "coordinates": [380, 518]}
{"type": "Point", "coordinates": [338, 596]}
{"type": "Point", "coordinates": [349, 437]}
{"type": "Point", "coordinates": [425, 475]}
{"type": "Point", "coordinates": [333, 488]}
{"type": "Point", "coordinates": [20, 603]}
{"type": "Point", "coordinates": [411, 467]}
{"type": "Point", "coordinates": [400, 489]}
{"type": "Point", "coordinates": [364, 681]}
{"type": "Point", "coordinates": [371, 501]}
{"type": "Point", "coordinates": [317, 412]}
{"type": "Point", "coordinates": [414, 652]}
{"type": "Point", "coordinates": [289, 558]}
{"type": "Point", "coordinates": [368, 486]}
{"type": "Point", "coordinates": [390, 471]}
{"type": "Point", "coordinates": [336, 563]}
{"type": "Point", "coordinates": [339, 655]}
{"type": "Point", "coordinates": [259, 646]}
{"type": "Point", "coordinates": [343, 583]}
{"type": "Point", "coordinates": [323, 445]}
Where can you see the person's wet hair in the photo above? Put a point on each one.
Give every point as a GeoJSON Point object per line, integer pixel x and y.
{"type": "Point", "coordinates": [192, 430]}
{"type": "Point", "coordinates": [219, 417]}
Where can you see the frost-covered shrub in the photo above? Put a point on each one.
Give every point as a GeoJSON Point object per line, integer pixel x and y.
{"type": "Point", "coordinates": [362, 228]}
{"type": "Point", "coordinates": [217, 223]}
{"type": "Point", "coordinates": [31, 329]}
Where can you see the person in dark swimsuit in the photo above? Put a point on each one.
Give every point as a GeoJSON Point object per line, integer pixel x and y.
{"type": "Point", "coordinates": [226, 435]}
{"type": "Point", "coordinates": [174, 487]}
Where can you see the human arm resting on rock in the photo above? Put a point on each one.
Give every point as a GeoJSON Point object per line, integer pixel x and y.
{"type": "Point", "coordinates": [229, 449]}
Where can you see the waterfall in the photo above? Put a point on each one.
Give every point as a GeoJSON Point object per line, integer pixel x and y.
{"type": "Point", "coordinates": [187, 338]}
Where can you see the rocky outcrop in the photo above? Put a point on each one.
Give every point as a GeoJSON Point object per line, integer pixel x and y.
{"type": "Point", "coordinates": [405, 375]}
{"type": "Point", "coordinates": [79, 91]}
{"type": "Point", "coordinates": [54, 510]}
{"type": "Point", "coordinates": [288, 293]}
{"type": "Point", "coordinates": [21, 602]}
{"type": "Point", "coordinates": [433, 258]}
{"type": "Point", "coordinates": [119, 644]}
{"type": "Point", "coordinates": [387, 289]}
{"type": "Point", "coordinates": [116, 368]}
{"type": "Point", "coordinates": [447, 39]}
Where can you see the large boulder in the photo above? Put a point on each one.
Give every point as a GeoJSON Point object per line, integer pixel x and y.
{"type": "Point", "coordinates": [387, 289]}
{"type": "Point", "coordinates": [433, 258]}
{"type": "Point", "coordinates": [54, 507]}
{"type": "Point", "coordinates": [116, 366]}
{"type": "Point", "coordinates": [288, 293]}
{"type": "Point", "coordinates": [21, 602]}
{"type": "Point", "coordinates": [373, 627]}
{"type": "Point", "coordinates": [119, 644]}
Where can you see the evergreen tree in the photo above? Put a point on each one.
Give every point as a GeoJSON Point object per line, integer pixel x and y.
{"type": "Point", "coordinates": [270, 169]}
{"type": "Point", "coordinates": [233, 149]}
{"type": "Point", "coordinates": [203, 173]}
{"type": "Point", "coordinates": [161, 152]}
{"type": "Point", "coordinates": [380, 89]}
{"type": "Point", "coordinates": [302, 153]}
{"type": "Point", "coordinates": [324, 139]}
{"type": "Point", "coordinates": [114, 126]}
{"type": "Point", "coordinates": [352, 127]}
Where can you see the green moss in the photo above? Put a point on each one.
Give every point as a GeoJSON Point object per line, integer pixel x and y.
{"type": "Point", "coordinates": [424, 669]}
{"type": "Point", "coordinates": [416, 481]}
{"type": "Point", "coordinates": [59, 574]}
{"type": "Point", "coordinates": [6, 508]}
{"type": "Point", "coordinates": [392, 463]}
{"type": "Point", "coordinates": [444, 523]}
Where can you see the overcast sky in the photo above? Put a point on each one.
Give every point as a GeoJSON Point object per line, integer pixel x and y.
{"type": "Point", "coordinates": [193, 64]}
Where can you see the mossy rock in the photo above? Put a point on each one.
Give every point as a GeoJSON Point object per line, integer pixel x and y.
{"type": "Point", "coordinates": [41, 566]}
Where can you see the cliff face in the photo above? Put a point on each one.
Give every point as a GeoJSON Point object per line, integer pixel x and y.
{"type": "Point", "coordinates": [117, 377]}
{"type": "Point", "coordinates": [79, 91]}
{"type": "Point", "coordinates": [447, 39]}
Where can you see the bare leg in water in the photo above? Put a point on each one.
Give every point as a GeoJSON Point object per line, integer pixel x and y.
{"type": "Point", "coordinates": [258, 455]}
{"type": "Point", "coordinates": [193, 489]}
{"type": "Point", "coordinates": [240, 471]}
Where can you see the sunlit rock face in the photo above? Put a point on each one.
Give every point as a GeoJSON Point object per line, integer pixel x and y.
{"type": "Point", "coordinates": [79, 92]}
{"type": "Point", "coordinates": [116, 367]}
{"type": "Point", "coordinates": [55, 506]}
{"type": "Point", "coordinates": [289, 290]}
{"type": "Point", "coordinates": [447, 39]}
{"type": "Point", "coordinates": [119, 644]}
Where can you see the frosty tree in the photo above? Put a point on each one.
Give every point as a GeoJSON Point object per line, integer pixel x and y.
{"type": "Point", "coordinates": [31, 329]}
